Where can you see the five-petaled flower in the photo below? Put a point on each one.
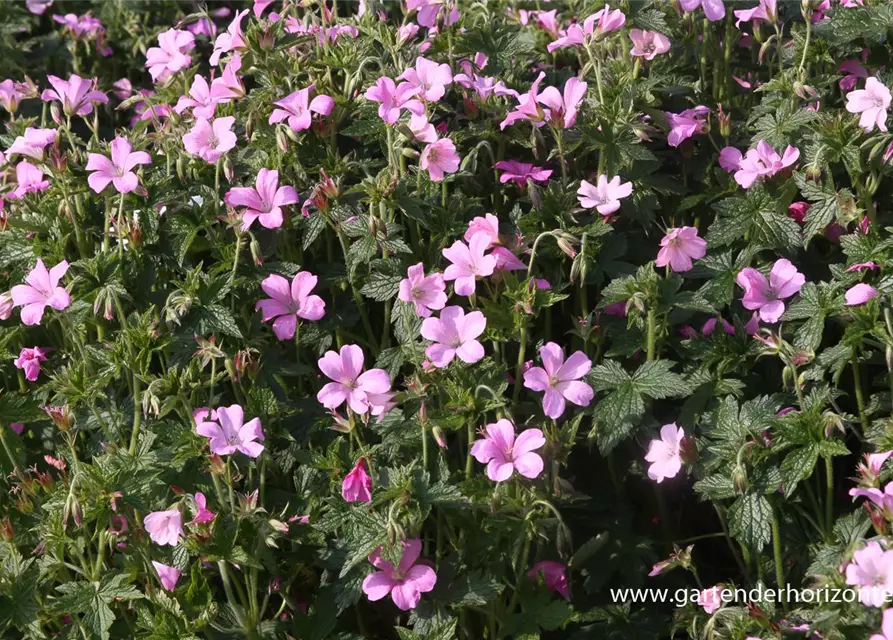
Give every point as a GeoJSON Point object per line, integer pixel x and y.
{"type": "Point", "coordinates": [605, 195]}
{"type": "Point", "coordinates": [766, 294]}
{"type": "Point", "coordinates": [424, 292]}
{"type": "Point", "coordinates": [231, 434]}
{"type": "Point", "coordinates": [41, 290]}
{"type": "Point", "coordinates": [454, 334]}
{"type": "Point", "coordinates": [119, 170]}
{"type": "Point", "coordinates": [164, 527]}
{"type": "Point", "coordinates": [679, 247]}
{"type": "Point", "coordinates": [264, 201]}
{"type": "Point", "coordinates": [468, 263]}
{"type": "Point", "coordinates": [405, 583]}
{"type": "Point", "coordinates": [349, 383]}
{"type": "Point", "coordinates": [29, 361]}
{"type": "Point", "coordinates": [77, 94]}
{"type": "Point", "coordinates": [665, 453]}
{"type": "Point", "coordinates": [287, 302]}
{"type": "Point", "coordinates": [297, 108]}
{"type": "Point", "coordinates": [560, 379]}
{"type": "Point", "coordinates": [504, 454]}
{"type": "Point", "coordinates": [872, 102]}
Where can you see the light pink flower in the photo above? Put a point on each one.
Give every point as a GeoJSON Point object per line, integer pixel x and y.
{"type": "Point", "coordinates": [766, 10]}
{"type": "Point", "coordinates": [560, 379]}
{"type": "Point", "coordinates": [730, 159]}
{"type": "Point", "coordinates": [210, 140]}
{"type": "Point", "coordinates": [528, 107]}
{"type": "Point", "coordinates": [521, 172]}
{"type": "Point", "coordinates": [406, 583]}
{"type": "Point", "coordinates": [766, 295]}
{"type": "Point", "coordinates": [164, 527]}
{"type": "Point", "coordinates": [710, 599]}
{"type": "Point", "coordinates": [231, 433]}
{"type": "Point", "coordinates": [554, 576]}
{"type": "Point", "coordinates": [872, 570]}
{"type": "Point", "coordinates": [487, 224]}
{"type": "Point", "coordinates": [605, 195]}
{"type": "Point", "coordinates": [202, 513]}
{"type": "Point", "coordinates": [41, 291]}
{"type": "Point", "coordinates": [426, 293]}
{"type": "Point", "coordinates": [883, 499]}
{"type": "Point", "coordinates": [872, 103]}
{"type": "Point", "coordinates": [608, 20]}
{"type": "Point", "coordinates": [439, 158]}
{"type": "Point", "coordinates": [679, 247]}
{"type": "Point", "coordinates": [77, 94]}
{"type": "Point", "coordinates": [85, 26]}
{"type": "Point", "coordinates": [34, 143]}
{"type": "Point", "coordinates": [454, 334]}
{"type": "Point", "coordinates": [118, 170]}
{"type": "Point", "coordinates": [431, 11]}
{"type": "Point", "coordinates": [648, 44]}
{"type": "Point", "coordinates": [11, 95]}
{"type": "Point", "coordinates": [350, 384]}
{"type": "Point", "coordinates": [29, 360]}
{"type": "Point", "coordinates": [199, 100]}
{"type": "Point", "coordinates": [573, 36]}
{"type": "Point", "coordinates": [686, 124]}
{"type": "Point", "coordinates": [357, 485]}
{"type": "Point", "coordinates": [392, 98]}
{"type": "Point", "coordinates": [407, 32]}
{"type": "Point", "coordinates": [422, 130]}
{"type": "Point", "coordinates": [504, 454]}
{"type": "Point", "coordinates": [229, 86]}
{"type": "Point", "coordinates": [264, 201]}
{"type": "Point", "coordinates": [563, 107]}
{"type": "Point", "coordinates": [232, 39]}
{"type": "Point", "coordinates": [665, 454]}
{"type": "Point", "coordinates": [860, 294]}
{"type": "Point", "coordinates": [468, 263]}
{"type": "Point", "coordinates": [29, 179]}
{"type": "Point", "coordinates": [287, 302]}
{"type": "Point", "coordinates": [37, 7]}
{"type": "Point", "coordinates": [297, 108]}
{"type": "Point", "coordinates": [886, 627]}
{"type": "Point", "coordinates": [763, 162]}
{"type": "Point", "coordinates": [169, 576]}
{"type": "Point", "coordinates": [171, 55]}
{"type": "Point", "coordinates": [862, 266]}
{"type": "Point", "coordinates": [429, 78]}
{"type": "Point", "coordinates": [713, 9]}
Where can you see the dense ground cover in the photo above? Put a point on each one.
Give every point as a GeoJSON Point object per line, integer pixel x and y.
{"type": "Point", "coordinates": [435, 320]}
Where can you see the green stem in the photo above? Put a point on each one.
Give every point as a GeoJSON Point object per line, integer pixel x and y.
{"type": "Point", "coordinates": [651, 333]}
{"type": "Point", "coordinates": [211, 386]}
{"type": "Point", "coordinates": [469, 464]}
{"type": "Point", "coordinates": [8, 450]}
{"type": "Point", "coordinates": [776, 553]}
{"type": "Point", "coordinates": [829, 497]}
{"type": "Point", "coordinates": [805, 47]}
{"type": "Point", "coordinates": [137, 415]}
{"type": "Point", "coordinates": [860, 400]}
{"type": "Point", "coordinates": [118, 226]}
{"type": "Point", "coordinates": [232, 275]}
{"type": "Point", "coordinates": [560, 143]}
{"type": "Point", "coordinates": [519, 367]}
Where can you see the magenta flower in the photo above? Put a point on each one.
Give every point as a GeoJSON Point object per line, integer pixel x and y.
{"type": "Point", "coordinates": [608, 20]}
{"type": "Point", "coordinates": [202, 513]}
{"type": "Point", "coordinates": [862, 266]}
{"type": "Point", "coordinates": [118, 170]}
{"type": "Point", "coordinates": [853, 70]}
{"type": "Point", "coordinates": [29, 360]}
{"type": "Point", "coordinates": [504, 454]}
{"type": "Point", "coordinates": [883, 499]}
{"type": "Point", "coordinates": [169, 576]}
{"type": "Point", "coordinates": [210, 140]}
{"type": "Point", "coordinates": [77, 95]}
{"type": "Point", "coordinates": [288, 303]}
{"type": "Point", "coordinates": [17, 427]}
{"type": "Point", "coordinates": [560, 379]}
{"type": "Point", "coordinates": [710, 326]}
{"type": "Point", "coordinates": [521, 172]}
{"type": "Point", "coordinates": [171, 55]}
{"type": "Point", "coordinates": [164, 527]}
{"type": "Point", "coordinates": [648, 44]}
{"type": "Point", "coordinates": [34, 143]}
{"type": "Point", "coordinates": [29, 179]}
{"type": "Point", "coordinates": [231, 433]}
{"type": "Point", "coordinates": [199, 100]}
{"type": "Point", "coordinates": [350, 384]}
{"type": "Point", "coordinates": [554, 576]}
{"type": "Point", "coordinates": [392, 98]}
{"type": "Point", "coordinates": [453, 334]}
{"type": "Point", "coordinates": [860, 294]}
{"type": "Point", "coordinates": [439, 158]}
{"type": "Point", "coordinates": [468, 263]}
{"type": "Point", "coordinates": [713, 9]}
{"type": "Point", "coordinates": [766, 295]}
{"type": "Point", "coordinates": [406, 583]}
{"type": "Point", "coordinates": [528, 107]}
{"type": "Point", "coordinates": [872, 570]}
{"type": "Point", "coordinates": [264, 202]}
{"type": "Point", "coordinates": [487, 224]}
{"type": "Point", "coordinates": [357, 485]}
{"type": "Point", "coordinates": [229, 86]}
{"type": "Point", "coordinates": [872, 103]}
{"type": "Point", "coordinates": [679, 247]}
{"type": "Point", "coordinates": [665, 454]}
{"type": "Point", "coordinates": [686, 124]}
{"type": "Point", "coordinates": [231, 39]}
{"type": "Point", "coordinates": [762, 162]}
{"type": "Point", "coordinates": [563, 107]}
{"type": "Point", "coordinates": [41, 291]}
{"type": "Point", "coordinates": [297, 108]}
{"type": "Point", "coordinates": [605, 195]}
{"type": "Point", "coordinates": [766, 10]}
{"type": "Point", "coordinates": [428, 78]}
{"type": "Point", "coordinates": [426, 293]}
{"type": "Point", "coordinates": [886, 627]}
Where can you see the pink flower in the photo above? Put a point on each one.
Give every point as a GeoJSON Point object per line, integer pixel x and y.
{"type": "Point", "coordinates": [393, 98]}
{"type": "Point", "coordinates": [202, 513]}
{"type": "Point", "coordinates": [563, 108]}
{"type": "Point", "coordinates": [6, 305]}
{"type": "Point", "coordinates": [430, 11]}
{"type": "Point", "coordinates": [199, 100]}
{"type": "Point", "coordinates": [453, 334]}
{"type": "Point", "coordinates": [686, 124]}
{"type": "Point", "coordinates": [230, 433]}
{"type": "Point", "coordinates": [487, 224]}
{"type": "Point", "coordinates": [860, 294]}
{"type": "Point", "coordinates": [264, 202]}
{"type": "Point", "coordinates": [232, 39]}
{"type": "Point", "coordinates": [297, 108]}
{"type": "Point", "coordinates": [118, 170]}
{"type": "Point", "coordinates": [608, 21]}
{"type": "Point", "coordinates": [528, 107]}
{"type": "Point", "coordinates": [34, 143]}
{"type": "Point", "coordinates": [422, 130]}
{"type": "Point", "coordinates": [429, 78]}
{"type": "Point", "coordinates": [288, 303]}
{"type": "Point", "coordinates": [357, 485]}
{"type": "Point", "coordinates": [504, 454]}
{"type": "Point", "coordinates": [766, 10]}
{"type": "Point", "coordinates": [17, 427]}
{"type": "Point", "coordinates": [169, 576]}
{"type": "Point", "coordinates": [37, 7]}
{"type": "Point", "coordinates": [29, 360]}
{"type": "Point", "coordinates": [85, 26]}
{"type": "Point", "coordinates": [11, 95]}
{"type": "Point", "coordinates": [886, 627]}
{"type": "Point", "coordinates": [164, 527]}
{"type": "Point", "coordinates": [554, 576]}
{"type": "Point", "coordinates": [766, 295]}
{"type": "Point", "coordinates": [426, 293]}
{"type": "Point", "coordinates": [711, 599]}
{"type": "Point", "coordinates": [872, 103]}
{"type": "Point", "coordinates": [521, 172]}
{"type": "Point", "coordinates": [648, 44]}
{"type": "Point", "coordinates": [210, 140]}
{"type": "Point", "coordinates": [605, 195]}
{"type": "Point", "coordinates": [713, 9]}
{"type": "Point", "coordinates": [77, 95]}
{"type": "Point", "coordinates": [439, 158]}
{"type": "Point", "coordinates": [862, 266]}
{"type": "Point", "coordinates": [665, 455]}
{"type": "Point", "coordinates": [798, 211]}
{"type": "Point", "coordinates": [763, 162]}
{"type": "Point", "coordinates": [229, 86]}
{"type": "Point", "coordinates": [883, 499]}
{"type": "Point", "coordinates": [468, 263]}
{"type": "Point", "coordinates": [350, 384]}
{"type": "Point", "coordinates": [560, 379]}
{"type": "Point", "coordinates": [41, 291]}
{"type": "Point", "coordinates": [853, 70]}
{"type": "Point", "coordinates": [730, 159]}
{"type": "Point", "coordinates": [171, 55]}
{"type": "Point", "coordinates": [679, 247]}
{"type": "Point", "coordinates": [872, 570]}
{"type": "Point", "coordinates": [710, 326]}
{"type": "Point", "coordinates": [406, 583]}
{"type": "Point", "coordinates": [29, 179]}
{"type": "Point", "coordinates": [260, 6]}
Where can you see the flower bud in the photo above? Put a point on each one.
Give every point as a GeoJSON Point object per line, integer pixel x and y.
{"type": "Point", "coordinates": [439, 437]}
{"type": "Point", "coordinates": [61, 416]}
{"type": "Point", "coordinates": [410, 153]}
{"type": "Point", "coordinates": [5, 305]}
{"type": "Point", "coordinates": [6, 531]}
{"type": "Point", "coordinates": [281, 140]}
{"type": "Point", "coordinates": [256, 253]}
{"type": "Point", "coordinates": [739, 478]}
{"type": "Point", "coordinates": [56, 113]}
{"type": "Point", "coordinates": [229, 171]}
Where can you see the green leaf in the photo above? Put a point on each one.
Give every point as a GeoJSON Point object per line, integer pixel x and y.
{"type": "Point", "coordinates": [381, 286]}
{"type": "Point", "coordinates": [798, 465]}
{"type": "Point", "coordinates": [474, 589]}
{"type": "Point", "coordinates": [655, 380]}
{"type": "Point", "coordinates": [215, 317]}
{"type": "Point", "coordinates": [825, 205]}
{"type": "Point", "coordinates": [750, 520]}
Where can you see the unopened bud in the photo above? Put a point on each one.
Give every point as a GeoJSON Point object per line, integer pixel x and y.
{"type": "Point", "coordinates": [410, 153]}
{"type": "Point", "coordinates": [181, 168]}
{"type": "Point", "coordinates": [6, 531]}
{"type": "Point", "coordinates": [56, 113]}
{"type": "Point", "coordinates": [439, 437]}
{"type": "Point", "coordinates": [281, 140]}
{"type": "Point", "coordinates": [739, 478]}
{"type": "Point", "coordinates": [249, 128]}
{"type": "Point", "coordinates": [61, 416]}
{"type": "Point", "coordinates": [229, 171]}
{"type": "Point", "coordinates": [256, 253]}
